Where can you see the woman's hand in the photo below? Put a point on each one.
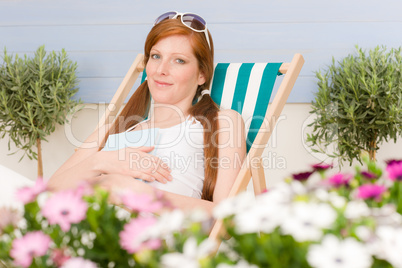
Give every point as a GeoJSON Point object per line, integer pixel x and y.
{"type": "Point", "coordinates": [135, 162]}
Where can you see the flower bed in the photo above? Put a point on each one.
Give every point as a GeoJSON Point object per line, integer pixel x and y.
{"type": "Point", "coordinates": [314, 219]}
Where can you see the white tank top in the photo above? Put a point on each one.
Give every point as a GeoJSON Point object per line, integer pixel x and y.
{"type": "Point", "coordinates": [180, 146]}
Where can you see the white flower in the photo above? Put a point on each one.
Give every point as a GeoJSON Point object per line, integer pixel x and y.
{"type": "Point", "coordinates": [387, 215]}
{"type": "Point", "coordinates": [333, 253]}
{"type": "Point", "coordinates": [260, 217]}
{"type": "Point", "coordinates": [363, 232]}
{"type": "Point", "coordinates": [288, 190]}
{"type": "Point", "coordinates": [191, 255]}
{"type": "Point", "coordinates": [168, 223]}
{"type": "Point", "coordinates": [390, 244]}
{"type": "Point", "coordinates": [307, 220]}
{"type": "Point", "coordinates": [231, 206]}
{"type": "Point", "coordinates": [336, 200]}
{"type": "Point", "coordinates": [281, 194]}
{"type": "Point", "coordinates": [356, 209]}
{"type": "Point", "coordinates": [240, 264]}
{"type": "Point", "coordinates": [321, 194]}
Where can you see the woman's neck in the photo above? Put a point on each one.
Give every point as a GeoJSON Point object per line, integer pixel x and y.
{"type": "Point", "coordinates": [170, 113]}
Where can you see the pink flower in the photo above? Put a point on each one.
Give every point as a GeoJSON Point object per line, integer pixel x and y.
{"type": "Point", "coordinates": [59, 257]}
{"type": "Point", "coordinates": [65, 208]}
{"type": "Point", "coordinates": [370, 191]}
{"type": "Point", "coordinates": [28, 194]}
{"type": "Point", "coordinates": [33, 244]}
{"type": "Point", "coordinates": [302, 176]}
{"type": "Point", "coordinates": [339, 180]}
{"type": "Point", "coordinates": [321, 167]}
{"type": "Point", "coordinates": [394, 170]}
{"type": "Point", "coordinates": [392, 161]}
{"type": "Point", "coordinates": [78, 263]}
{"type": "Point", "coordinates": [141, 202]}
{"type": "Point", "coordinates": [130, 237]}
{"type": "Point", "coordinates": [368, 175]}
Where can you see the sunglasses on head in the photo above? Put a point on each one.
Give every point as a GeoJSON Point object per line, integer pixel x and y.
{"type": "Point", "coordinates": [191, 20]}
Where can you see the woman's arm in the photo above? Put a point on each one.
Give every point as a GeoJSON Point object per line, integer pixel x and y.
{"type": "Point", "coordinates": [88, 164]}
{"type": "Point", "coordinates": [232, 151]}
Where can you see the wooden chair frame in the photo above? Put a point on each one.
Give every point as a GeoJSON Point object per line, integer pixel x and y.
{"type": "Point", "coordinates": [251, 167]}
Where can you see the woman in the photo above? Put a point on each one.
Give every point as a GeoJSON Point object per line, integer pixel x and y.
{"type": "Point", "coordinates": [179, 64]}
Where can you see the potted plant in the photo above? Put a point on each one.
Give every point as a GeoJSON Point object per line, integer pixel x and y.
{"type": "Point", "coordinates": [358, 103]}
{"type": "Point", "coordinates": [35, 96]}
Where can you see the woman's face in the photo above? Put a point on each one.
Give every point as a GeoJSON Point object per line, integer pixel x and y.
{"type": "Point", "coordinates": [172, 71]}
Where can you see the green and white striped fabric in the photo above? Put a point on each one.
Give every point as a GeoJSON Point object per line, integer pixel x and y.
{"type": "Point", "coordinates": [245, 88]}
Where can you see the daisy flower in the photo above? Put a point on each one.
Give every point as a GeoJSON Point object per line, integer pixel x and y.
{"type": "Point", "coordinates": [28, 194]}
{"type": "Point", "coordinates": [264, 218]}
{"type": "Point", "coordinates": [132, 238]}
{"type": "Point", "coordinates": [141, 202]}
{"type": "Point", "coordinates": [302, 176]}
{"type": "Point", "coordinates": [31, 245]}
{"type": "Point", "coordinates": [65, 208]}
{"type": "Point", "coordinates": [191, 255]}
{"type": "Point", "coordinates": [368, 175]}
{"type": "Point", "coordinates": [394, 170]}
{"type": "Point", "coordinates": [356, 209]}
{"type": "Point", "coordinates": [322, 166]}
{"type": "Point", "coordinates": [332, 253]}
{"type": "Point", "coordinates": [339, 180]}
{"type": "Point", "coordinates": [231, 206]}
{"type": "Point", "coordinates": [168, 223]}
{"type": "Point", "coordinates": [370, 191]}
{"type": "Point", "coordinates": [390, 244]}
{"type": "Point", "coordinates": [306, 221]}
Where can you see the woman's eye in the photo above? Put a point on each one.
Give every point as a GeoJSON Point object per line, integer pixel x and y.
{"type": "Point", "coordinates": [155, 56]}
{"type": "Point", "coordinates": [180, 61]}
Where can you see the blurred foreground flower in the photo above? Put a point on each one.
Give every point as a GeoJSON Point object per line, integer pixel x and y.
{"type": "Point", "coordinates": [131, 238]}
{"type": "Point", "coordinates": [333, 252]}
{"type": "Point", "coordinates": [370, 191]}
{"type": "Point", "coordinates": [33, 244]}
{"type": "Point", "coordinates": [65, 208]}
{"type": "Point", "coordinates": [29, 194]}
{"type": "Point", "coordinates": [394, 170]}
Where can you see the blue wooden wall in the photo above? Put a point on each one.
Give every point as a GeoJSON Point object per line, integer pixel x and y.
{"type": "Point", "coordinates": [104, 36]}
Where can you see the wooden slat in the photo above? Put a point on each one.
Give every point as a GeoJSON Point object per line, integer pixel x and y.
{"type": "Point", "coordinates": [122, 91]}
{"type": "Point", "coordinates": [258, 177]}
{"type": "Point", "coordinates": [276, 106]}
{"type": "Point", "coordinates": [263, 136]}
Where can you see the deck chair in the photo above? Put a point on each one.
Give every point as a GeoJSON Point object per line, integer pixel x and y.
{"type": "Point", "coordinates": [246, 88]}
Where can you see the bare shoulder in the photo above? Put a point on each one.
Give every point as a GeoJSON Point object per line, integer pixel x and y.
{"type": "Point", "coordinates": [228, 112]}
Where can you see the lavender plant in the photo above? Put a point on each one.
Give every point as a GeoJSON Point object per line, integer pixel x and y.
{"type": "Point", "coordinates": [358, 103]}
{"type": "Point", "coordinates": [35, 96]}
